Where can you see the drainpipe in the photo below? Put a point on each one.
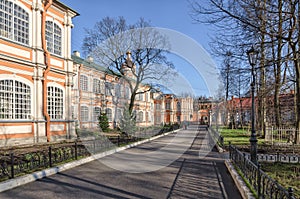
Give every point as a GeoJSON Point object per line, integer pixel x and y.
{"type": "Point", "coordinates": [48, 67]}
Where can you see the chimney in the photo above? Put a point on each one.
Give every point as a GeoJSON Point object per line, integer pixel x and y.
{"type": "Point", "coordinates": [76, 53]}
{"type": "Point", "coordinates": [90, 59]}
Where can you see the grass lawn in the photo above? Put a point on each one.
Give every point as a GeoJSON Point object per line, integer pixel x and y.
{"type": "Point", "coordinates": [237, 136]}
{"type": "Point", "coordinates": [288, 175]}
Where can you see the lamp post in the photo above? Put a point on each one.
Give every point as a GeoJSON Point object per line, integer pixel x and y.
{"type": "Point", "coordinates": [252, 57]}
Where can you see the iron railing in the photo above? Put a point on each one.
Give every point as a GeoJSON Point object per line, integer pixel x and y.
{"type": "Point", "coordinates": [15, 163]}
{"type": "Point", "coordinates": [265, 186]}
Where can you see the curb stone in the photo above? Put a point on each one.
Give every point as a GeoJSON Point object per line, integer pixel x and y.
{"type": "Point", "coordinates": [241, 185]}
{"type": "Point", "coordinates": [18, 181]}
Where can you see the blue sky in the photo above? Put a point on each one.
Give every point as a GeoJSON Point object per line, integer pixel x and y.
{"type": "Point", "coordinates": [170, 14]}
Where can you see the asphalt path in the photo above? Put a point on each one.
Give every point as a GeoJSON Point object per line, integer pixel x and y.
{"type": "Point", "coordinates": [179, 165]}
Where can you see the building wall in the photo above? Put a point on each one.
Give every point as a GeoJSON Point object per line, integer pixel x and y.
{"type": "Point", "coordinates": [113, 95]}
{"type": "Point", "coordinates": [23, 82]}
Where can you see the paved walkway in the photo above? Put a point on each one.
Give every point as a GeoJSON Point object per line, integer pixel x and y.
{"type": "Point", "coordinates": [198, 173]}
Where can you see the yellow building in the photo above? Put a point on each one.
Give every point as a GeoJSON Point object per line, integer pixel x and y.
{"type": "Point", "coordinates": [36, 71]}
{"type": "Point", "coordinates": [96, 90]}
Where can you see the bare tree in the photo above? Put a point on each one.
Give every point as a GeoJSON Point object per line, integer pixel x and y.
{"type": "Point", "coordinates": [136, 53]}
{"type": "Point", "coordinates": [273, 25]}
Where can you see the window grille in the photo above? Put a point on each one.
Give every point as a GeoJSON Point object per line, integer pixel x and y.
{"type": "Point", "coordinates": [84, 113]}
{"type": "Point", "coordinates": [108, 88]}
{"type": "Point", "coordinates": [96, 114]}
{"type": "Point", "coordinates": [141, 96]}
{"type": "Point", "coordinates": [83, 82]}
{"type": "Point", "coordinates": [14, 22]}
{"type": "Point", "coordinates": [140, 116]}
{"type": "Point", "coordinates": [109, 114]}
{"type": "Point", "coordinates": [96, 86]}
{"type": "Point", "coordinates": [15, 100]}
{"type": "Point", "coordinates": [168, 106]}
{"type": "Point", "coordinates": [55, 103]}
{"type": "Point", "coordinates": [53, 37]}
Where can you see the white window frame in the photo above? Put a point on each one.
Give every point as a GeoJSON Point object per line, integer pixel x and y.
{"type": "Point", "coordinates": [55, 101]}
{"type": "Point", "coordinates": [84, 83]}
{"type": "Point", "coordinates": [96, 113]}
{"type": "Point", "coordinates": [12, 111]}
{"type": "Point", "coordinates": [109, 114]}
{"type": "Point", "coordinates": [84, 113]}
{"type": "Point", "coordinates": [9, 30]}
{"type": "Point", "coordinates": [108, 89]}
{"type": "Point", "coordinates": [54, 39]}
{"type": "Point", "coordinates": [96, 85]}
{"type": "Point", "coordinates": [140, 116]}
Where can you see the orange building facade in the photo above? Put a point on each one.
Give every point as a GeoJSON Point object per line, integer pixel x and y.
{"type": "Point", "coordinates": [36, 71]}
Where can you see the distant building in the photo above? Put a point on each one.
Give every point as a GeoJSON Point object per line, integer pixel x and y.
{"type": "Point", "coordinates": [97, 90]}
{"type": "Point", "coordinates": [170, 109]}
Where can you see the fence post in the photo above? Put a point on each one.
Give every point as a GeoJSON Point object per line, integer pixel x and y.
{"type": "Point", "coordinates": [76, 156]}
{"type": "Point", "coordinates": [291, 193]}
{"type": "Point", "coordinates": [272, 134]}
{"type": "Point", "coordinates": [12, 165]}
{"type": "Point", "coordinates": [94, 145]}
{"type": "Point", "coordinates": [230, 151]}
{"type": "Point", "coordinates": [50, 156]}
{"type": "Point", "coordinates": [258, 180]}
{"type": "Point", "coordinates": [118, 140]}
{"type": "Point", "coordinates": [244, 160]}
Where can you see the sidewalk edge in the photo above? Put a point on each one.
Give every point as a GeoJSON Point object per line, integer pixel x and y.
{"type": "Point", "coordinates": [241, 185]}
{"type": "Point", "coordinates": [18, 181]}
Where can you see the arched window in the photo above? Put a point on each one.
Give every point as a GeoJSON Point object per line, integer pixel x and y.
{"type": "Point", "coordinates": [14, 22]}
{"type": "Point", "coordinates": [84, 113]}
{"type": "Point", "coordinates": [109, 114]}
{"type": "Point", "coordinates": [15, 100]}
{"type": "Point", "coordinates": [53, 38]}
{"type": "Point", "coordinates": [55, 103]}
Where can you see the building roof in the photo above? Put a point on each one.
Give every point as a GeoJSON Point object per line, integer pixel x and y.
{"type": "Point", "coordinates": [67, 7]}
{"type": "Point", "coordinates": [86, 62]}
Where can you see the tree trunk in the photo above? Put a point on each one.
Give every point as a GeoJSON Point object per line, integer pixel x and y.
{"type": "Point", "coordinates": [297, 91]}
{"type": "Point", "coordinates": [262, 87]}
{"type": "Point", "coordinates": [277, 68]}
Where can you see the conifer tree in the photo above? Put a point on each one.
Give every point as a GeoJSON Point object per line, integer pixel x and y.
{"type": "Point", "coordinates": [103, 122]}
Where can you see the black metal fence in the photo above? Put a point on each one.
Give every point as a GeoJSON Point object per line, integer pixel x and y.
{"type": "Point", "coordinates": [216, 137]}
{"type": "Point", "coordinates": [265, 186]}
{"type": "Point", "coordinates": [14, 163]}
